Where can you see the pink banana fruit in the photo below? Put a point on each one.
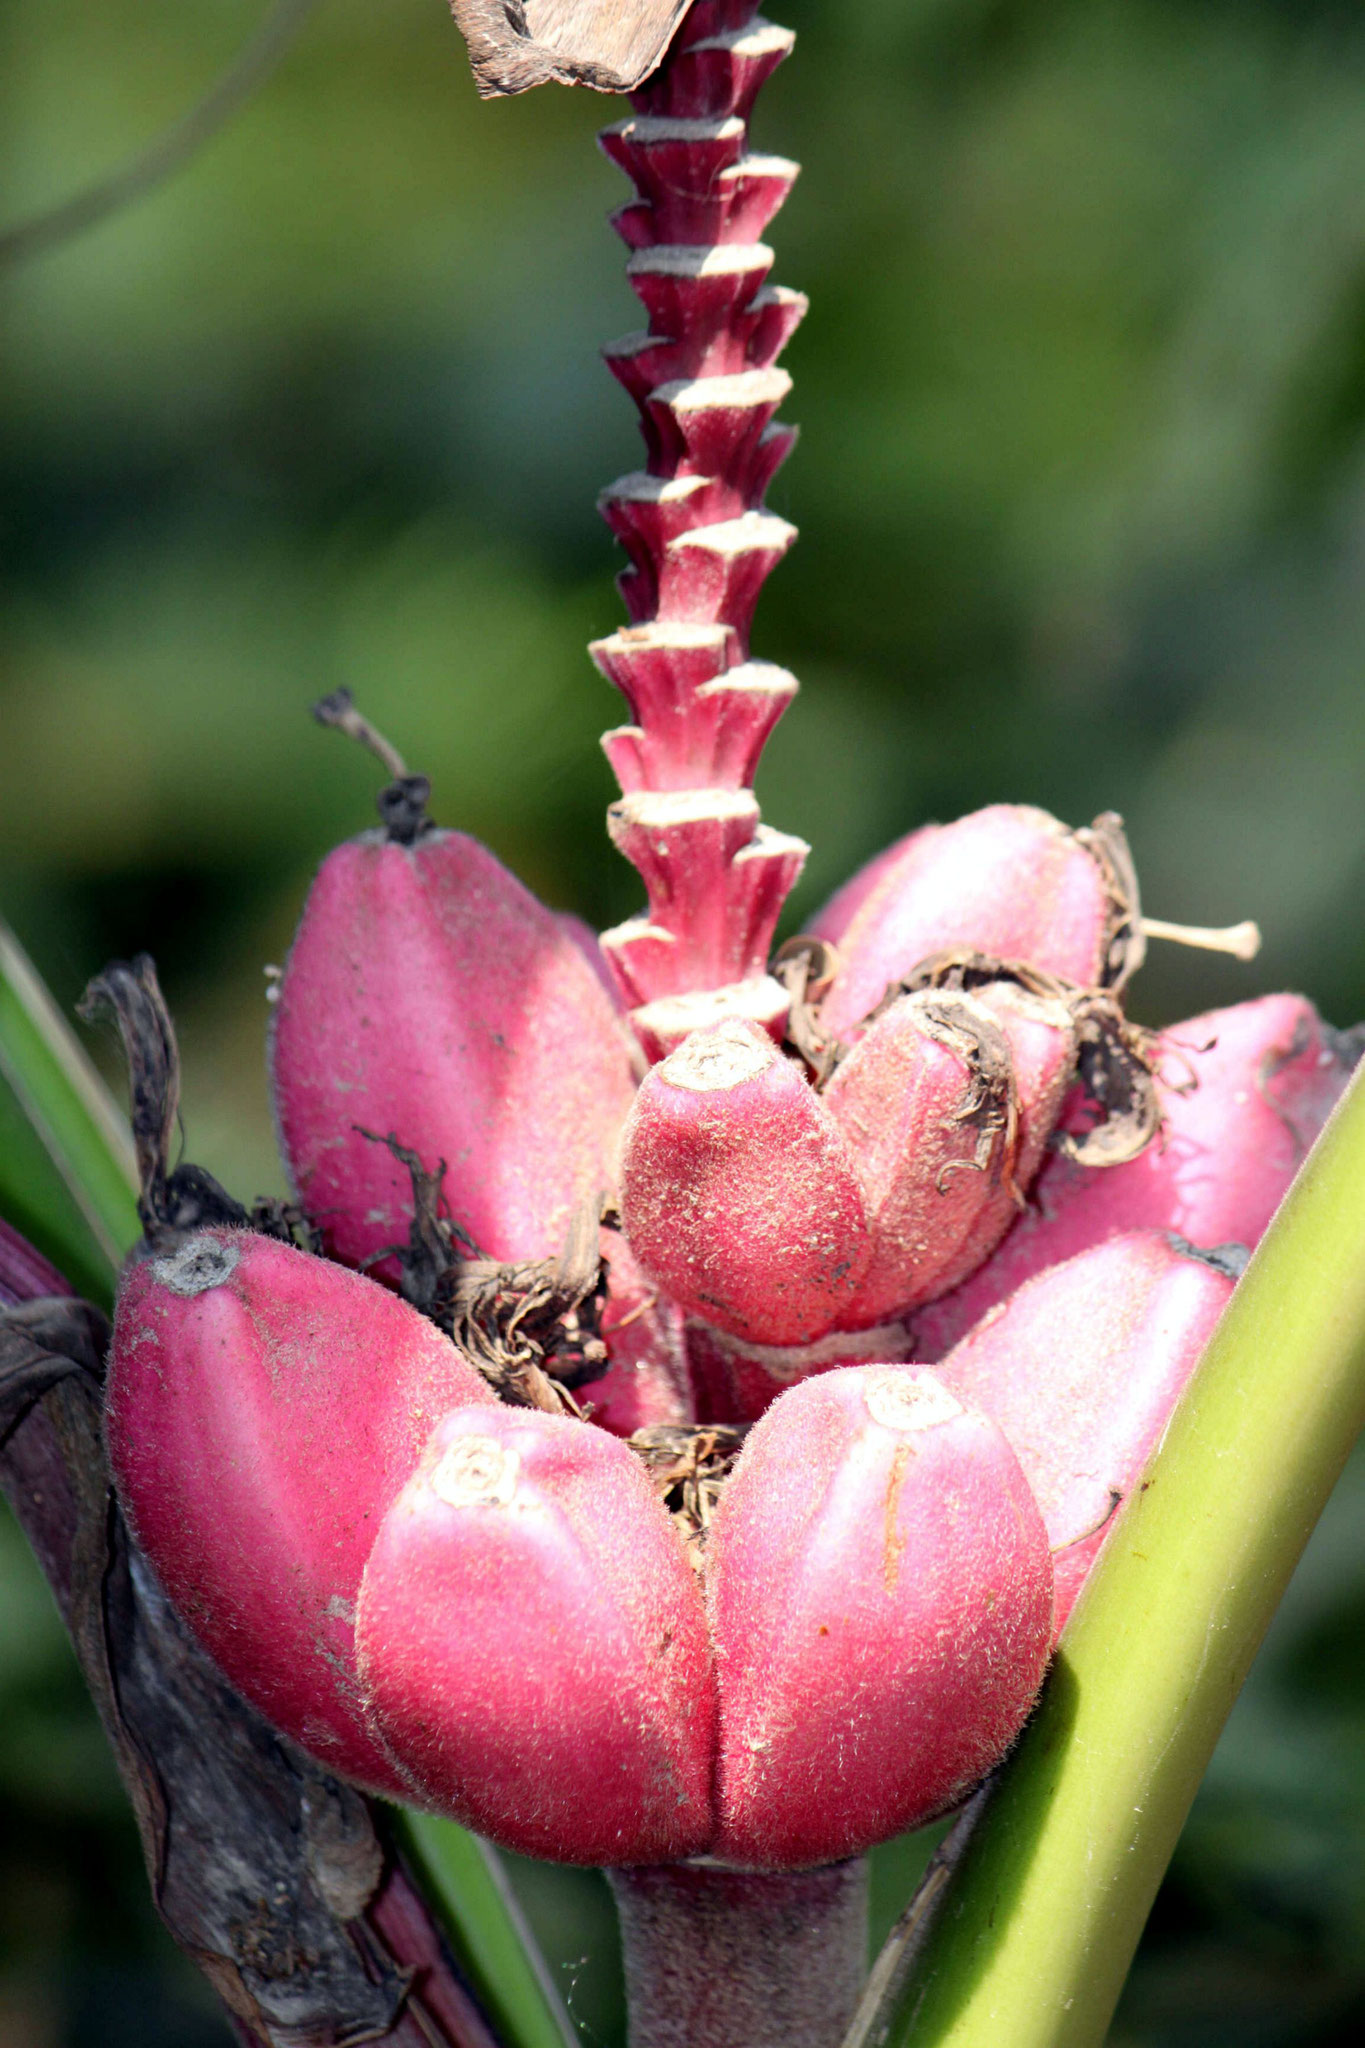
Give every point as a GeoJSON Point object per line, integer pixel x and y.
{"type": "Point", "coordinates": [1009, 882]}
{"type": "Point", "coordinates": [946, 1102]}
{"type": "Point", "coordinates": [880, 1594]}
{"type": "Point", "coordinates": [737, 1191]}
{"type": "Point", "coordinates": [783, 1218]}
{"type": "Point", "coordinates": [1081, 1369]}
{"type": "Point", "coordinates": [1243, 1093]}
{"type": "Point", "coordinates": [429, 995]}
{"type": "Point", "coordinates": [265, 1408]}
{"type": "Point", "coordinates": [533, 1644]}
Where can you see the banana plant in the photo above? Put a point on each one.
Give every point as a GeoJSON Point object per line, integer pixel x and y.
{"type": "Point", "coordinates": [710, 1407]}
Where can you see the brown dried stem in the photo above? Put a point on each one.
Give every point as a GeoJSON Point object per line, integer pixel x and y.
{"type": "Point", "coordinates": [173, 1200]}
{"type": "Point", "coordinates": [402, 803]}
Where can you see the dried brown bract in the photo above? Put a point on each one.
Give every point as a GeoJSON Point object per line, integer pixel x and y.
{"type": "Point", "coordinates": [806, 967]}
{"type": "Point", "coordinates": [1115, 1060]}
{"type": "Point", "coordinates": [532, 1328]}
{"type": "Point", "coordinates": [610, 45]}
{"type": "Point", "coordinates": [689, 1468]}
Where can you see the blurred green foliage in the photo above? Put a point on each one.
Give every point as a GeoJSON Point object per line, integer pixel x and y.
{"type": "Point", "coordinates": [1082, 499]}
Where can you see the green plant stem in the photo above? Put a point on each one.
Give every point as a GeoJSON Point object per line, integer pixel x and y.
{"type": "Point", "coordinates": [1037, 1928]}
{"type": "Point", "coordinates": [270, 42]}
{"type": "Point", "coordinates": [488, 1932]}
{"type": "Point", "coordinates": [67, 1104]}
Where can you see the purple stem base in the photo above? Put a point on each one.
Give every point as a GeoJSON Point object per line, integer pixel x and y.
{"type": "Point", "coordinates": [719, 1958]}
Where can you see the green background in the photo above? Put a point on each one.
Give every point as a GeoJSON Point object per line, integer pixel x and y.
{"type": "Point", "coordinates": [1081, 491]}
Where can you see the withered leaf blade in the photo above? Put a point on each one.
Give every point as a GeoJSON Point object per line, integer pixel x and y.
{"type": "Point", "coordinates": [172, 1201]}
{"type": "Point", "coordinates": [610, 45]}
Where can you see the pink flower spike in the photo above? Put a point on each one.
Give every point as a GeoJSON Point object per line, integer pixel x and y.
{"type": "Point", "coordinates": [265, 1407]}
{"type": "Point", "coordinates": [698, 537]}
{"type": "Point", "coordinates": [1081, 1369]}
{"type": "Point", "coordinates": [533, 1644]}
{"type": "Point", "coordinates": [737, 1191]}
{"type": "Point", "coordinates": [1009, 882]}
{"type": "Point", "coordinates": [428, 994]}
{"type": "Point", "coordinates": [880, 1594]}
{"type": "Point", "coordinates": [946, 1103]}
{"type": "Point", "coordinates": [1243, 1094]}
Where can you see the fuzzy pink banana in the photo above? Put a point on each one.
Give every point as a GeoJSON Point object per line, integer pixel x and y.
{"type": "Point", "coordinates": [1243, 1093]}
{"type": "Point", "coordinates": [430, 996]}
{"type": "Point", "coordinates": [1081, 1369]}
{"type": "Point", "coordinates": [533, 1644]}
{"type": "Point", "coordinates": [1008, 882]}
{"type": "Point", "coordinates": [737, 1192]}
{"type": "Point", "coordinates": [265, 1408]}
{"type": "Point", "coordinates": [880, 1594]}
{"type": "Point", "coordinates": [946, 1103]}
{"type": "Point", "coordinates": [776, 1215]}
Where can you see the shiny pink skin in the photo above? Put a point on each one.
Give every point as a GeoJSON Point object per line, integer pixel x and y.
{"type": "Point", "coordinates": [1267, 1074]}
{"type": "Point", "coordinates": [881, 1602]}
{"type": "Point", "coordinates": [429, 994]}
{"type": "Point", "coordinates": [258, 1430]}
{"type": "Point", "coordinates": [1009, 881]}
{"type": "Point", "coordinates": [739, 1196]}
{"type": "Point", "coordinates": [1081, 1369]}
{"type": "Point", "coordinates": [533, 1644]}
{"type": "Point", "coordinates": [933, 1215]}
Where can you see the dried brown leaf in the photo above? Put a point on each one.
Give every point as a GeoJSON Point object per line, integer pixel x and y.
{"type": "Point", "coordinates": [610, 45]}
{"type": "Point", "coordinates": [1116, 1059]}
{"type": "Point", "coordinates": [689, 1466]}
{"type": "Point", "coordinates": [806, 968]}
{"type": "Point", "coordinates": [1125, 942]}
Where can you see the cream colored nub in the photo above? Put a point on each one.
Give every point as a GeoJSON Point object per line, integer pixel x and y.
{"type": "Point", "coordinates": [910, 1400]}
{"type": "Point", "coordinates": [722, 1058]}
{"type": "Point", "coordinates": [196, 1266]}
{"type": "Point", "coordinates": [477, 1471]}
